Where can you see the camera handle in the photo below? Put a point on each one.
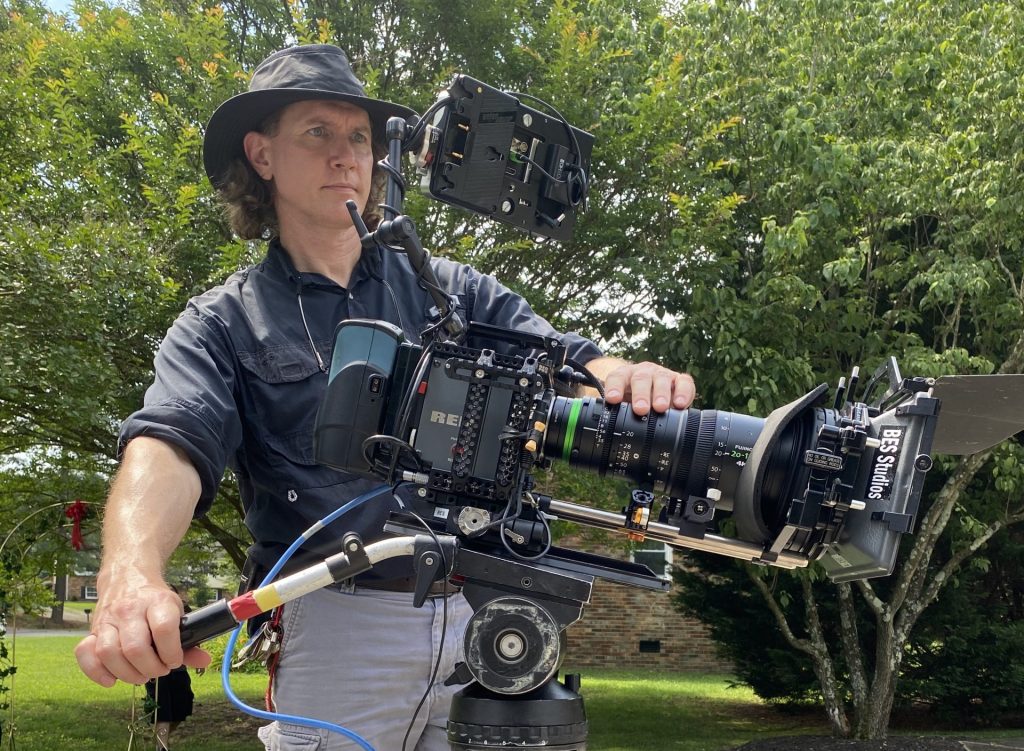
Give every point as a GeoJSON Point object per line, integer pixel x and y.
{"type": "Point", "coordinates": [399, 231]}
{"type": "Point", "coordinates": [223, 615]}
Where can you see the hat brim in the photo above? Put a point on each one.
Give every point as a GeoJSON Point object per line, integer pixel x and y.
{"type": "Point", "coordinates": [243, 113]}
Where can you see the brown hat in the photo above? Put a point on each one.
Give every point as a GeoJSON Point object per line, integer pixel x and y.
{"type": "Point", "coordinates": [314, 71]}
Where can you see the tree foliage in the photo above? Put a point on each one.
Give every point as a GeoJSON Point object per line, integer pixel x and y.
{"type": "Point", "coordinates": [780, 191]}
{"type": "Point", "coordinates": [107, 227]}
{"type": "Point", "coordinates": [876, 163]}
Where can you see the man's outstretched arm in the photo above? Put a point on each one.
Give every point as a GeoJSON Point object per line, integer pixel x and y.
{"type": "Point", "coordinates": [134, 635]}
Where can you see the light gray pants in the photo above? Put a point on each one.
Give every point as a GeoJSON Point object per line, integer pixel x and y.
{"type": "Point", "coordinates": [362, 659]}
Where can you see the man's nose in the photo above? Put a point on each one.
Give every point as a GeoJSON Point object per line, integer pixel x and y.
{"type": "Point", "coordinates": [342, 154]}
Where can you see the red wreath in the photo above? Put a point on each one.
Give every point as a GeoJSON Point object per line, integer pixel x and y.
{"type": "Point", "coordinates": [76, 512]}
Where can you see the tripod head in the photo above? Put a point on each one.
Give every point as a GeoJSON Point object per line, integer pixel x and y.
{"type": "Point", "coordinates": [514, 643]}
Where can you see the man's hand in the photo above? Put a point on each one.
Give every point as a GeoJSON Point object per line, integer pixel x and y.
{"type": "Point", "coordinates": [135, 635]}
{"type": "Point", "coordinates": [644, 385]}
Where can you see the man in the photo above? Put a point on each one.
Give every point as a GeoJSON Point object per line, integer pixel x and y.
{"type": "Point", "coordinates": [238, 380]}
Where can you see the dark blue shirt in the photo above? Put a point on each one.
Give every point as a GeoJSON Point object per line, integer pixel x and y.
{"type": "Point", "coordinates": [238, 383]}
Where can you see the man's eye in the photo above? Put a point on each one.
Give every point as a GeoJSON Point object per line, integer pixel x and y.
{"type": "Point", "coordinates": [317, 131]}
{"type": "Point", "coordinates": [360, 137]}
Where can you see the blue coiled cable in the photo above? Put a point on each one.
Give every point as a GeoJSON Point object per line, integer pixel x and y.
{"type": "Point", "coordinates": [225, 668]}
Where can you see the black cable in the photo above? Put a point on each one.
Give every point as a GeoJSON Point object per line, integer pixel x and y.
{"type": "Point", "coordinates": [538, 556]}
{"type": "Point", "coordinates": [394, 300]}
{"type": "Point", "coordinates": [385, 166]}
{"type": "Point", "coordinates": [591, 379]}
{"type": "Point", "coordinates": [388, 472]}
{"type": "Point", "coordinates": [444, 629]}
{"type": "Point", "coordinates": [402, 422]}
{"type": "Point", "coordinates": [505, 516]}
{"type": "Point", "coordinates": [581, 177]}
{"type": "Point", "coordinates": [428, 286]}
{"type": "Point", "coordinates": [428, 332]}
{"type": "Point", "coordinates": [539, 168]}
{"type": "Point", "coordinates": [424, 121]}
{"type": "Point", "coordinates": [392, 210]}
{"type": "Point", "coordinates": [548, 540]}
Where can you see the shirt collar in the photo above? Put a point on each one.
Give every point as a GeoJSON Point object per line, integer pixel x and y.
{"type": "Point", "coordinates": [368, 266]}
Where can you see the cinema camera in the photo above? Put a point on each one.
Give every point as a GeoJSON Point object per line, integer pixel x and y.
{"type": "Point", "coordinates": [462, 428]}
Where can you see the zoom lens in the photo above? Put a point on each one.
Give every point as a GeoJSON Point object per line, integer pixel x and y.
{"type": "Point", "coordinates": [678, 453]}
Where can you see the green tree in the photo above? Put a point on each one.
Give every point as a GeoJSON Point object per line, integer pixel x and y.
{"type": "Point", "coordinates": [875, 160]}
{"type": "Point", "coordinates": [967, 657]}
{"type": "Point", "coordinates": [107, 223]}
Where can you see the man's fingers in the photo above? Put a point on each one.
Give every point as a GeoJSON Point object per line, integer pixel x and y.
{"type": "Point", "coordinates": [615, 385]}
{"type": "Point", "coordinates": [90, 663]}
{"type": "Point", "coordinates": [684, 391]}
{"type": "Point", "coordinates": [641, 385]}
{"type": "Point", "coordinates": [164, 620]}
{"type": "Point", "coordinates": [119, 658]}
{"type": "Point", "coordinates": [136, 636]}
{"type": "Point", "coordinates": [661, 391]}
{"type": "Point", "coordinates": [648, 385]}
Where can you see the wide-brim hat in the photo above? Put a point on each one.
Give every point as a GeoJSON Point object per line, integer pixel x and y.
{"type": "Point", "coordinates": [294, 74]}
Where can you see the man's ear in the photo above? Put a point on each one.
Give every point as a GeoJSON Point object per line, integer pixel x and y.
{"type": "Point", "coordinates": [256, 151]}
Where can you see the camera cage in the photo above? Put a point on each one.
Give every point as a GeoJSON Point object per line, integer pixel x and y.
{"type": "Point", "coordinates": [473, 424]}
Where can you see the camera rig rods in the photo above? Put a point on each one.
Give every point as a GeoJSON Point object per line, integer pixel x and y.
{"type": "Point", "coordinates": [668, 534]}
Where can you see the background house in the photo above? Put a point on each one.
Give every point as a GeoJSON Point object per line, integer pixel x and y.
{"type": "Point", "coordinates": [632, 628]}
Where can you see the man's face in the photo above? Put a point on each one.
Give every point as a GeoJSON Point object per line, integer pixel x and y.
{"type": "Point", "coordinates": [319, 157]}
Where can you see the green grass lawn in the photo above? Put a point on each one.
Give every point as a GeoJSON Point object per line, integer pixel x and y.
{"type": "Point", "coordinates": [631, 710]}
{"type": "Point", "coordinates": [56, 707]}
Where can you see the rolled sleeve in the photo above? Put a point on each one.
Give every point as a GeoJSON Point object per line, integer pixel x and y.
{"type": "Point", "coordinates": [191, 403]}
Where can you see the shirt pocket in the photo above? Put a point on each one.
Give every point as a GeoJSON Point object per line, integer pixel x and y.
{"type": "Point", "coordinates": [285, 387]}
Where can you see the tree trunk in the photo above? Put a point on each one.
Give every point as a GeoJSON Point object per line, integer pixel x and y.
{"type": "Point", "coordinates": [853, 653]}
{"type": "Point", "coordinates": [824, 669]}
{"type": "Point", "coordinates": [816, 647]}
{"type": "Point", "coordinates": [60, 594]}
{"type": "Point", "coordinates": [872, 721]}
{"type": "Point", "coordinates": [831, 695]}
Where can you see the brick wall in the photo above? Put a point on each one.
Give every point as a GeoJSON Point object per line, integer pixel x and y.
{"type": "Point", "coordinates": [77, 584]}
{"type": "Point", "coordinates": [633, 628]}
{"type": "Point", "coordinates": [629, 627]}
{"type": "Point", "coordinates": [621, 621]}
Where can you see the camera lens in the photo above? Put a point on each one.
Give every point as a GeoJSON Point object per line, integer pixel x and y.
{"type": "Point", "coordinates": [678, 453]}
